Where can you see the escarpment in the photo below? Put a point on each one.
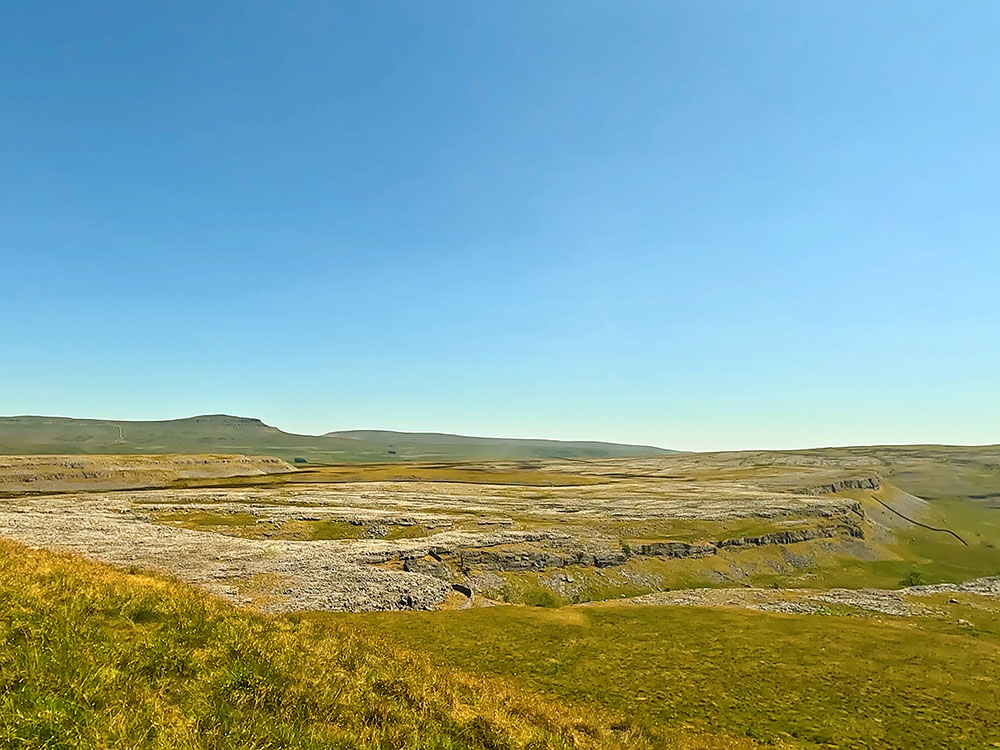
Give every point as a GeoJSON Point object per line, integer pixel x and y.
{"type": "Point", "coordinates": [871, 483]}
{"type": "Point", "coordinates": [451, 562]}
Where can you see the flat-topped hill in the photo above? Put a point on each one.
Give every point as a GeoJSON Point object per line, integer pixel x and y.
{"type": "Point", "coordinates": [224, 434]}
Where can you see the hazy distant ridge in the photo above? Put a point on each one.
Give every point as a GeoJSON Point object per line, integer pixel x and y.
{"type": "Point", "coordinates": [444, 438]}
{"type": "Point", "coordinates": [222, 433]}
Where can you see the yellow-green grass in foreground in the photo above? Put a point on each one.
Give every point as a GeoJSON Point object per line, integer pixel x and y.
{"type": "Point", "coordinates": [809, 680]}
{"type": "Point", "coordinates": [92, 657]}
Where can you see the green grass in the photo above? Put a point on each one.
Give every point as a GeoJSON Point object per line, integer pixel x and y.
{"type": "Point", "coordinates": [342, 530]}
{"type": "Point", "coordinates": [638, 576]}
{"type": "Point", "coordinates": [977, 522]}
{"type": "Point", "coordinates": [206, 520]}
{"type": "Point", "coordinates": [91, 657]}
{"type": "Point", "coordinates": [935, 556]}
{"type": "Point", "coordinates": [246, 525]}
{"type": "Point", "coordinates": [335, 530]}
{"type": "Point", "coordinates": [807, 680]}
{"type": "Point", "coordinates": [936, 559]}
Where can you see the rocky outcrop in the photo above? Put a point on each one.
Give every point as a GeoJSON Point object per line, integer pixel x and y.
{"type": "Point", "coordinates": [794, 535]}
{"type": "Point", "coordinates": [453, 563]}
{"type": "Point", "coordinates": [672, 549]}
{"type": "Point", "coordinates": [429, 566]}
{"type": "Point", "coordinates": [791, 536]}
{"type": "Point", "coordinates": [989, 586]}
{"type": "Point", "coordinates": [513, 559]}
{"type": "Point", "coordinates": [37, 474]}
{"type": "Point", "coordinates": [871, 483]}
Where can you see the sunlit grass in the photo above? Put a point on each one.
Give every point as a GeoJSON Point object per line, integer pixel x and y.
{"type": "Point", "coordinates": [95, 658]}
{"type": "Point", "coordinates": [809, 680]}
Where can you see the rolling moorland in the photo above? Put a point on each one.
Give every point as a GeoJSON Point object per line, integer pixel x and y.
{"type": "Point", "coordinates": [844, 597]}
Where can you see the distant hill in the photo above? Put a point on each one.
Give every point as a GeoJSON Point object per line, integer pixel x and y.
{"type": "Point", "coordinates": [224, 434]}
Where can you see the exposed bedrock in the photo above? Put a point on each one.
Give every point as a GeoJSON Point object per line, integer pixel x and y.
{"type": "Point", "coordinates": [447, 564]}
{"type": "Point", "coordinates": [855, 483]}
{"type": "Point", "coordinates": [330, 585]}
{"type": "Point", "coordinates": [466, 533]}
{"type": "Point", "coordinates": [36, 474]}
{"type": "Point", "coordinates": [523, 558]}
{"type": "Point", "coordinates": [792, 536]}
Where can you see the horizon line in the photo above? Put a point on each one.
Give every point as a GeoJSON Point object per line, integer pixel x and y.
{"type": "Point", "coordinates": [506, 437]}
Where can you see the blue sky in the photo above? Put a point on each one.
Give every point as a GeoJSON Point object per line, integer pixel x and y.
{"type": "Point", "coordinates": [701, 225]}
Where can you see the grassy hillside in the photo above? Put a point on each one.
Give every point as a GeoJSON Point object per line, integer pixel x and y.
{"type": "Point", "coordinates": [227, 434]}
{"type": "Point", "coordinates": [91, 657]}
{"type": "Point", "coordinates": [415, 442]}
{"type": "Point", "coordinates": [812, 681]}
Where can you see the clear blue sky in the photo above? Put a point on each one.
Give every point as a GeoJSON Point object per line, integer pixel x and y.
{"type": "Point", "coordinates": [696, 224]}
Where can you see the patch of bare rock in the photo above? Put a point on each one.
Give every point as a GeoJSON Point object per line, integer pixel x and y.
{"type": "Point", "coordinates": [895, 602]}
{"type": "Point", "coordinates": [37, 474]}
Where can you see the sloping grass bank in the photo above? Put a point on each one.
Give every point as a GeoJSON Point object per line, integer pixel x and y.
{"type": "Point", "coordinates": [92, 657]}
{"type": "Point", "coordinates": [808, 680]}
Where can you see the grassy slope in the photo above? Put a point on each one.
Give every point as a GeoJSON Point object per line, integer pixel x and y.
{"type": "Point", "coordinates": [959, 496]}
{"type": "Point", "coordinates": [811, 680]}
{"type": "Point", "coordinates": [91, 657]}
{"type": "Point", "coordinates": [806, 679]}
{"type": "Point", "coordinates": [225, 434]}
{"type": "Point", "coordinates": [937, 557]}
